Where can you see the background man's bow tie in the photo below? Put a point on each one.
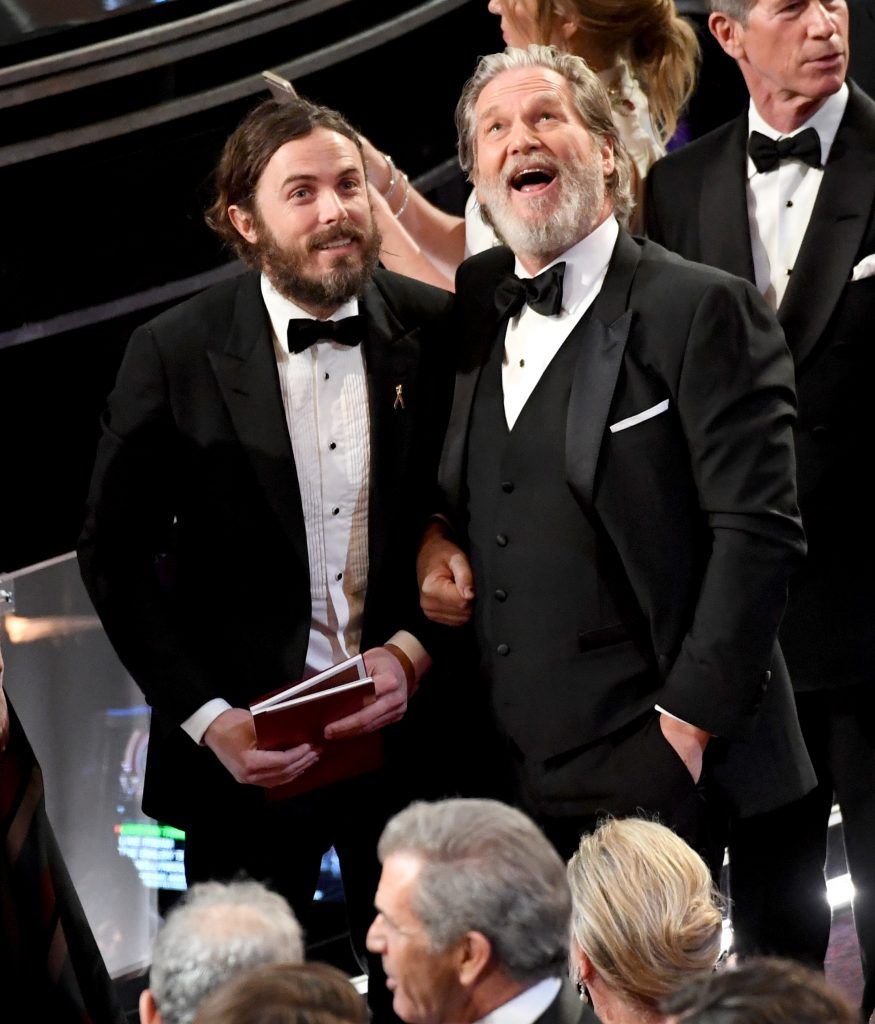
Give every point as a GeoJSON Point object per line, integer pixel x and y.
{"type": "Point", "coordinates": [302, 333]}
{"type": "Point", "coordinates": [542, 293]}
{"type": "Point", "coordinates": [767, 153]}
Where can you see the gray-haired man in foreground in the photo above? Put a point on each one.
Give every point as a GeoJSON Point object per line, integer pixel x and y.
{"type": "Point", "coordinates": [218, 930]}
{"type": "Point", "coordinates": [473, 913]}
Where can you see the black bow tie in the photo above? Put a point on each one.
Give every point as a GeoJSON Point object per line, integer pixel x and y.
{"type": "Point", "coordinates": [767, 153]}
{"type": "Point", "coordinates": [302, 333]}
{"type": "Point", "coordinates": [542, 293]}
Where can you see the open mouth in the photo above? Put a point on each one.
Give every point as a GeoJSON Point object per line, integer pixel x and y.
{"type": "Point", "coordinates": [530, 180]}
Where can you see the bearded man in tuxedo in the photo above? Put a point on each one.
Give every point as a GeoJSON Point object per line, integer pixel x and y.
{"type": "Point", "coordinates": [618, 469]}
{"type": "Point", "coordinates": [254, 508]}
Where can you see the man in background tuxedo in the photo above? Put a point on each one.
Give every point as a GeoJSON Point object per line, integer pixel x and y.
{"type": "Point", "coordinates": [795, 216]}
{"type": "Point", "coordinates": [254, 506]}
{"type": "Point", "coordinates": [619, 467]}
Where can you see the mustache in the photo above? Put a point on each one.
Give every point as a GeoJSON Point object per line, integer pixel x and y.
{"type": "Point", "coordinates": [329, 235]}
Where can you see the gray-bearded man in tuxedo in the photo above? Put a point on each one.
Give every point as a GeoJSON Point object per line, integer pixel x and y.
{"type": "Point", "coordinates": [785, 196]}
{"type": "Point", "coordinates": [619, 469]}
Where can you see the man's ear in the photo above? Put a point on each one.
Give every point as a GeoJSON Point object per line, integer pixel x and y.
{"type": "Point", "coordinates": [728, 32]}
{"type": "Point", "coordinates": [607, 153]}
{"type": "Point", "coordinates": [148, 1010]}
{"type": "Point", "coordinates": [244, 222]}
{"type": "Point", "coordinates": [475, 952]}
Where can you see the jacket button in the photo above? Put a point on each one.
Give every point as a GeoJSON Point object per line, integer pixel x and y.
{"type": "Point", "coordinates": [501, 540]}
{"type": "Point", "coordinates": [502, 649]}
{"type": "Point", "coordinates": [500, 595]}
{"type": "Point", "coordinates": [507, 486]}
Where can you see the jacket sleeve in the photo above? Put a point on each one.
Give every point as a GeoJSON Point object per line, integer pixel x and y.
{"type": "Point", "coordinates": [128, 533]}
{"type": "Point", "coordinates": [736, 401]}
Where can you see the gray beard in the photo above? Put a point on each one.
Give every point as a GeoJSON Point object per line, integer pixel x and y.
{"type": "Point", "coordinates": [554, 226]}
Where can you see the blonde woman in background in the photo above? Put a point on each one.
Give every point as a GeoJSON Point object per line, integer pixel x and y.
{"type": "Point", "coordinates": [645, 920]}
{"type": "Point", "coordinates": [646, 56]}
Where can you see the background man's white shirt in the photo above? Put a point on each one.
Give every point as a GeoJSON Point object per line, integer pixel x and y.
{"type": "Point", "coordinates": [779, 202]}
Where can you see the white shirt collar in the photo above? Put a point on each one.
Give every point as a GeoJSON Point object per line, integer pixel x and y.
{"type": "Point", "coordinates": [825, 120]}
{"type": "Point", "coordinates": [586, 262]}
{"type": "Point", "coordinates": [527, 1007]}
{"type": "Point", "coordinates": [281, 310]}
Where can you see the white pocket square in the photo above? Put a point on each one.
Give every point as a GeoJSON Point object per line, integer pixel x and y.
{"type": "Point", "coordinates": [865, 268]}
{"type": "Point", "coordinates": [640, 417]}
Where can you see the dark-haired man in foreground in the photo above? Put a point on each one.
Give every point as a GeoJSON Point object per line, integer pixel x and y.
{"type": "Point", "coordinates": [254, 505]}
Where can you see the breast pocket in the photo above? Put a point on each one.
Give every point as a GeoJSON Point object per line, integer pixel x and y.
{"type": "Point", "coordinates": [630, 422]}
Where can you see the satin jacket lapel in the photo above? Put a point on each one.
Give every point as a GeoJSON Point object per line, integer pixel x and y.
{"type": "Point", "coordinates": [390, 352]}
{"type": "Point", "coordinates": [481, 328]}
{"type": "Point", "coordinates": [245, 367]}
{"type": "Point", "coordinates": [724, 228]}
{"type": "Point", "coordinates": [839, 218]}
{"type": "Point", "coordinates": [602, 339]}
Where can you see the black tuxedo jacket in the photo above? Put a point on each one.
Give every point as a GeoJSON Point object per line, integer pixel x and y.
{"type": "Point", "coordinates": [697, 206]}
{"type": "Point", "coordinates": [194, 549]}
{"type": "Point", "coordinates": [698, 501]}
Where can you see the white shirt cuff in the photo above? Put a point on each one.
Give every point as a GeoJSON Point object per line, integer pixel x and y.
{"type": "Point", "coordinates": [198, 723]}
{"type": "Point", "coordinates": [414, 650]}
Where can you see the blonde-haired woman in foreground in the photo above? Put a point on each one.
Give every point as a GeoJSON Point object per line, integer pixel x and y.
{"type": "Point", "coordinates": [646, 918]}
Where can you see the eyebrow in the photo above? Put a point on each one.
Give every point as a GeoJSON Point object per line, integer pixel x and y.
{"type": "Point", "coordinates": [304, 177]}
{"type": "Point", "coordinates": [544, 96]}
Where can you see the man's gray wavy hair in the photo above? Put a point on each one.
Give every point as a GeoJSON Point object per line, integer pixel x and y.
{"type": "Point", "coordinates": [486, 868]}
{"type": "Point", "coordinates": [217, 930]}
{"type": "Point", "coordinates": [590, 99]}
{"type": "Point", "coordinates": [739, 10]}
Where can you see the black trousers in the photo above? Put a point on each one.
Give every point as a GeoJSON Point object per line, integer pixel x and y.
{"type": "Point", "coordinates": [283, 847]}
{"type": "Point", "coordinates": [777, 859]}
{"type": "Point", "coordinates": [632, 772]}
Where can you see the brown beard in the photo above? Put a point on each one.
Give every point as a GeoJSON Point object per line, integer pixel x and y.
{"type": "Point", "coordinates": [347, 279]}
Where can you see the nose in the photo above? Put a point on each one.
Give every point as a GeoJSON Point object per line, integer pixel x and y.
{"type": "Point", "coordinates": [331, 207]}
{"type": "Point", "coordinates": [494, 7]}
{"type": "Point", "coordinates": [522, 138]}
{"type": "Point", "coordinates": [822, 22]}
{"type": "Point", "coordinates": [374, 938]}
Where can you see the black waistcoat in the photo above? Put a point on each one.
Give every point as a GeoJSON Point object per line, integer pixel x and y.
{"type": "Point", "coordinates": [554, 620]}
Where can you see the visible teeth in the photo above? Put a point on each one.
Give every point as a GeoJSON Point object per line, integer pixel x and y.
{"type": "Point", "coordinates": [531, 177]}
{"type": "Point", "coordinates": [336, 244]}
